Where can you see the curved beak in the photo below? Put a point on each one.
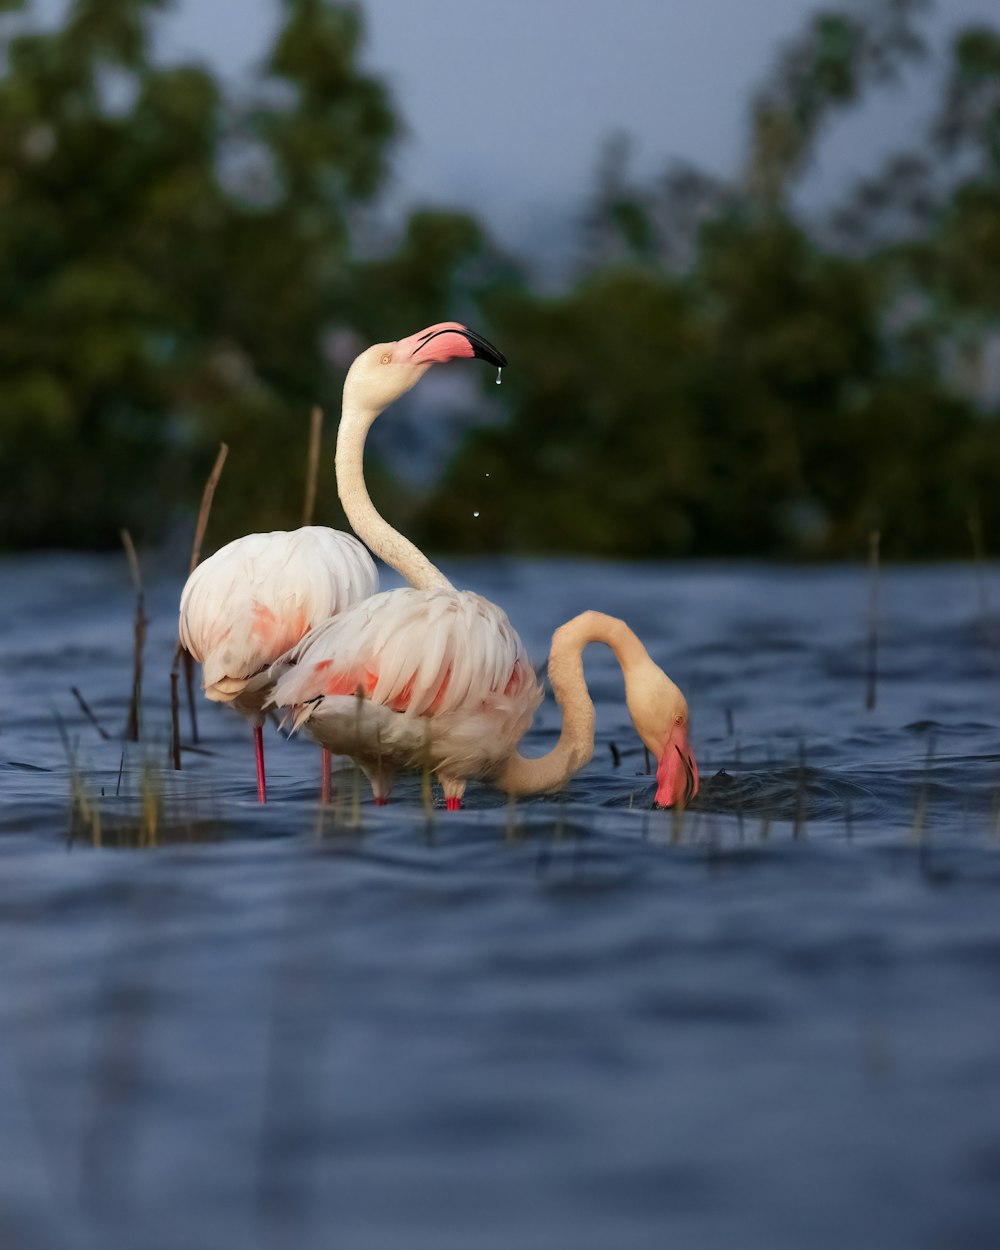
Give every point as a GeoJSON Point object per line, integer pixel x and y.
{"type": "Point", "coordinates": [483, 349]}
{"type": "Point", "coordinates": [676, 772]}
{"type": "Point", "coordinates": [448, 340]}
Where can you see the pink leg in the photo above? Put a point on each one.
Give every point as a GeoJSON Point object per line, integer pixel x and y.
{"type": "Point", "coordinates": [258, 741]}
{"type": "Point", "coordinates": [326, 763]}
{"type": "Point", "coordinates": [381, 800]}
{"type": "Point", "coordinates": [453, 803]}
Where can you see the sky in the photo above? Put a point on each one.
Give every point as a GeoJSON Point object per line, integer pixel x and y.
{"type": "Point", "coordinates": [506, 104]}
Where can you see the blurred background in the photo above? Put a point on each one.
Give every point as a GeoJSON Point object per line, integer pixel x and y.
{"type": "Point", "coordinates": [744, 259]}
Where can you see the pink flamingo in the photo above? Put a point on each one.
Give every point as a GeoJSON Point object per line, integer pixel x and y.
{"type": "Point", "coordinates": [256, 597]}
{"type": "Point", "coordinates": [430, 677]}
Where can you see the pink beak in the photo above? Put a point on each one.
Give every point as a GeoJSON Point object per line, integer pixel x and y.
{"type": "Point", "coordinates": [448, 340]}
{"type": "Point", "coordinates": [676, 771]}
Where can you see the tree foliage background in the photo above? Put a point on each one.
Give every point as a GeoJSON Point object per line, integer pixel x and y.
{"type": "Point", "coordinates": [179, 264]}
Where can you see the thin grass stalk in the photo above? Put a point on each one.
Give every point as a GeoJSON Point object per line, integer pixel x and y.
{"type": "Point", "coordinates": [175, 722]}
{"type": "Point", "coordinates": [188, 662]}
{"type": "Point", "coordinates": [86, 709]}
{"type": "Point", "coordinates": [134, 718]}
{"type": "Point", "coordinates": [677, 824]}
{"type": "Point", "coordinates": [355, 818]}
{"type": "Point", "coordinates": [180, 654]}
{"type": "Point", "coordinates": [312, 465]}
{"type": "Point", "coordinates": [871, 691]}
{"type": "Point", "coordinates": [207, 496]}
{"type": "Point", "coordinates": [74, 777]}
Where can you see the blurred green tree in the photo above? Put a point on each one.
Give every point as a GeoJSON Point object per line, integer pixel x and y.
{"type": "Point", "coordinates": [727, 378]}
{"type": "Point", "coordinates": [175, 260]}
{"type": "Point", "coordinates": [178, 266]}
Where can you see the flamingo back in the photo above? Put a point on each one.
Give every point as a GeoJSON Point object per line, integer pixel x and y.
{"type": "Point", "coordinates": [428, 665]}
{"type": "Point", "coordinates": [257, 596]}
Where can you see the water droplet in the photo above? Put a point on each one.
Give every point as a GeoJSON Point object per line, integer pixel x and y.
{"type": "Point", "coordinates": [499, 371]}
{"type": "Point", "coordinates": [475, 514]}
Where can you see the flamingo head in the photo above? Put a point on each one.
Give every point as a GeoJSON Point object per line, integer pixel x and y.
{"type": "Point", "coordinates": [387, 370]}
{"type": "Point", "coordinates": [660, 714]}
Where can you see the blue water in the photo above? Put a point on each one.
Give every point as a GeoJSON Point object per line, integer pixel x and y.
{"type": "Point", "coordinates": [572, 1024]}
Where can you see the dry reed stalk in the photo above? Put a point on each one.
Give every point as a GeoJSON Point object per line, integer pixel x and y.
{"type": "Point", "coordinates": [326, 776]}
{"type": "Point", "coordinates": [86, 709]}
{"type": "Point", "coordinates": [132, 728]}
{"type": "Point", "coordinates": [207, 495]}
{"type": "Point", "coordinates": [188, 660]}
{"type": "Point", "coordinates": [871, 694]}
{"type": "Point", "coordinates": [312, 465]}
{"type": "Point", "coordinates": [206, 505]}
{"type": "Point", "coordinates": [175, 722]}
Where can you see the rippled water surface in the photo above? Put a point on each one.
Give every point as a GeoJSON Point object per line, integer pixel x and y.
{"type": "Point", "coordinates": [570, 1025]}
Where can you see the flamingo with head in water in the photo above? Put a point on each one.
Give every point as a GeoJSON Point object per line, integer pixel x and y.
{"type": "Point", "coordinates": [430, 677]}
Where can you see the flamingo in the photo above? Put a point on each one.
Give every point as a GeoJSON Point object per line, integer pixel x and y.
{"type": "Point", "coordinates": [252, 600]}
{"type": "Point", "coordinates": [433, 677]}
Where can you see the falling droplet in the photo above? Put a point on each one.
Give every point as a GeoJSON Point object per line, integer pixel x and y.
{"type": "Point", "coordinates": [475, 514]}
{"type": "Point", "coordinates": [487, 475]}
{"type": "Point", "coordinates": [499, 371]}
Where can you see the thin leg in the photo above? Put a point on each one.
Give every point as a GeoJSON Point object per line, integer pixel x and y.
{"type": "Point", "coordinates": [258, 741]}
{"type": "Point", "coordinates": [326, 763]}
{"type": "Point", "coordinates": [454, 788]}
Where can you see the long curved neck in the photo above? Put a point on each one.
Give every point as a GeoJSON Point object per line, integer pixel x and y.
{"type": "Point", "coordinates": [387, 543]}
{"type": "Point", "coordinates": [576, 739]}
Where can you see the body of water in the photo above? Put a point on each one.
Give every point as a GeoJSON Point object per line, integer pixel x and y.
{"type": "Point", "coordinates": [571, 1024]}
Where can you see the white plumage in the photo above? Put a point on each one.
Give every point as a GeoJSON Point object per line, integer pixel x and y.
{"type": "Point", "coordinates": [257, 596]}
{"type": "Point", "coordinates": [410, 678]}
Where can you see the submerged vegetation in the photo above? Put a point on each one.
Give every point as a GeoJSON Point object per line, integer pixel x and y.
{"type": "Point", "coordinates": [722, 374]}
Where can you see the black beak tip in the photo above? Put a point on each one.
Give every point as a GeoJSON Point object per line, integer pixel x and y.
{"type": "Point", "coordinates": [483, 349]}
{"type": "Point", "coordinates": [492, 357]}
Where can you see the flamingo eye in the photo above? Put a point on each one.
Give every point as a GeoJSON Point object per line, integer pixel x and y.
{"type": "Point", "coordinates": [679, 718]}
{"type": "Point", "coordinates": [386, 358]}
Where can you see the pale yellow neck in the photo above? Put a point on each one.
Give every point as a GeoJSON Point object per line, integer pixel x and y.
{"type": "Point", "coordinates": [387, 543]}
{"type": "Point", "coordinates": [576, 739]}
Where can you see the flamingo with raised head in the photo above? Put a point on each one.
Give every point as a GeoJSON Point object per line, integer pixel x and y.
{"type": "Point", "coordinates": [430, 677]}
{"type": "Point", "coordinates": [256, 597]}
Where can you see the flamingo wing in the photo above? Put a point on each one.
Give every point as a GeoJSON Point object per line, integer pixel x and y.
{"type": "Point", "coordinates": [444, 680]}
{"type": "Point", "coordinates": [255, 597]}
